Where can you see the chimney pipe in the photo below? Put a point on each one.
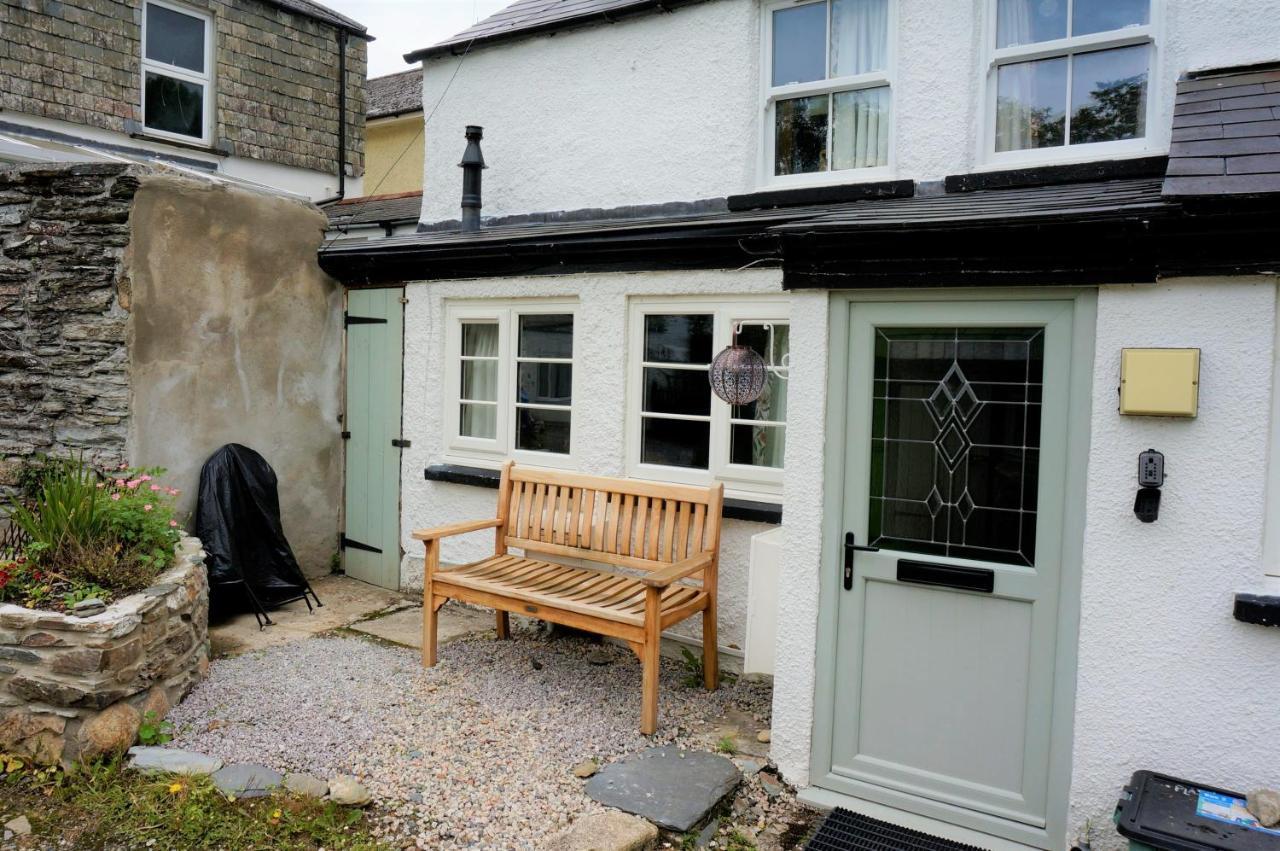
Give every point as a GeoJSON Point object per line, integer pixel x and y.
{"type": "Point", "coordinates": [472, 164]}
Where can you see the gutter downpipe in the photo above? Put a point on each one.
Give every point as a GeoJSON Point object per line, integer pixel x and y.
{"type": "Point", "coordinates": [342, 120]}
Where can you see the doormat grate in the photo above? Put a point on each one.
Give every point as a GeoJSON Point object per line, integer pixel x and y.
{"type": "Point", "coordinates": [842, 830]}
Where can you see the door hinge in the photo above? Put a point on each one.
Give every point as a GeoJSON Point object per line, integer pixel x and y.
{"type": "Point", "coordinates": [346, 435]}
{"type": "Point", "coordinates": [349, 320]}
{"type": "Point", "coordinates": [399, 443]}
{"type": "Point", "coordinates": [851, 546]}
{"type": "Point", "coordinates": [348, 544]}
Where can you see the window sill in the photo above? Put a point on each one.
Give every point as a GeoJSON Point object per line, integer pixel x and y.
{"type": "Point", "coordinates": [1011, 176]}
{"type": "Point", "coordinates": [1260, 609]}
{"type": "Point", "coordinates": [824, 194]}
{"type": "Point", "coordinates": [219, 150]}
{"type": "Point", "coordinates": [481, 477]}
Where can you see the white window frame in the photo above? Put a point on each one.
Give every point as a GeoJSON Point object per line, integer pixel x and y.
{"type": "Point", "coordinates": [204, 79]}
{"type": "Point", "coordinates": [742, 481]}
{"type": "Point", "coordinates": [770, 95]}
{"type": "Point", "coordinates": [465, 449]}
{"type": "Point", "coordinates": [1151, 142]}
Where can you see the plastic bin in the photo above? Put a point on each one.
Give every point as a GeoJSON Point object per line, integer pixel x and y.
{"type": "Point", "coordinates": [1161, 813]}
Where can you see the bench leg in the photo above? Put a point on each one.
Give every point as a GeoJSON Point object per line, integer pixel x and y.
{"type": "Point", "coordinates": [504, 625]}
{"type": "Point", "coordinates": [710, 655]}
{"type": "Point", "coordinates": [429, 605]}
{"type": "Point", "coordinates": [649, 660]}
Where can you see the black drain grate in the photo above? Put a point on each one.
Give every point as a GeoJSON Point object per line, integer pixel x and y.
{"type": "Point", "coordinates": [842, 830]}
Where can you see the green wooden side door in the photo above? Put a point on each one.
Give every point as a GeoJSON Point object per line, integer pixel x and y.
{"type": "Point", "coordinates": [946, 636]}
{"type": "Point", "coordinates": [375, 338]}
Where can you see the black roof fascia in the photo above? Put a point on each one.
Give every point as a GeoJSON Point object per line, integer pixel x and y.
{"type": "Point", "coordinates": [1084, 172]}
{"type": "Point", "coordinates": [452, 47]}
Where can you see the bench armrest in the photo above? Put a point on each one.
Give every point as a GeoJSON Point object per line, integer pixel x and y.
{"type": "Point", "coordinates": [679, 570]}
{"type": "Point", "coordinates": [456, 529]}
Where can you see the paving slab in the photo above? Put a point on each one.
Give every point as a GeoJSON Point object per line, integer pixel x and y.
{"type": "Point", "coordinates": [245, 780]}
{"type": "Point", "coordinates": [405, 626]}
{"type": "Point", "coordinates": [671, 787]}
{"type": "Point", "coordinates": [172, 760]}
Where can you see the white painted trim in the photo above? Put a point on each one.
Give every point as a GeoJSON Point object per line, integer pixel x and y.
{"type": "Point", "coordinates": [204, 79]}
{"type": "Point", "coordinates": [770, 95]}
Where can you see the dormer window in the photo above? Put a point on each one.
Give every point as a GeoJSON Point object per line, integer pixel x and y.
{"type": "Point", "coordinates": [176, 72]}
{"type": "Point", "coordinates": [1068, 73]}
{"type": "Point", "coordinates": [827, 99]}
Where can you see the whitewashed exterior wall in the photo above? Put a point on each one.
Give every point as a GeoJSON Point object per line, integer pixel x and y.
{"type": "Point", "coordinates": [663, 108]}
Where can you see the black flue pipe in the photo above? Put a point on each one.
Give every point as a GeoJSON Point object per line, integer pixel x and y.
{"type": "Point", "coordinates": [472, 165]}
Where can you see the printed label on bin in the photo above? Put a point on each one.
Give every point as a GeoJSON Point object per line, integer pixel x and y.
{"type": "Point", "coordinates": [1226, 808]}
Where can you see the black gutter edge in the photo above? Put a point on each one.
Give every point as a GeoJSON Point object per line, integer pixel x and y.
{"type": "Point", "coordinates": [482, 477]}
{"type": "Point", "coordinates": [810, 195]}
{"type": "Point", "coordinates": [1086, 172]}
{"type": "Point", "coordinates": [1260, 609]}
{"type": "Point", "coordinates": [395, 113]}
{"type": "Point", "coordinates": [457, 47]}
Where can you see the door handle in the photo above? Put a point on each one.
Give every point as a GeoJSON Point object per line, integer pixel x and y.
{"type": "Point", "coordinates": [851, 546]}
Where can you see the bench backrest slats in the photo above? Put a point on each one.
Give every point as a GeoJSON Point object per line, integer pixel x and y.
{"type": "Point", "coordinates": [626, 522]}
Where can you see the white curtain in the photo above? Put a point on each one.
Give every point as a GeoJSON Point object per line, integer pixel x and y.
{"type": "Point", "coordinates": [767, 442]}
{"type": "Point", "coordinates": [860, 128]}
{"type": "Point", "coordinates": [1015, 84]}
{"type": "Point", "coordinates": [859, 36]}
{"type": "Point", "coordinates": [480, 379]}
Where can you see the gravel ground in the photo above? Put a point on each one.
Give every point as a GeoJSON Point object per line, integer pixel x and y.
{"type": "Point", "coordinates": [475, 753]}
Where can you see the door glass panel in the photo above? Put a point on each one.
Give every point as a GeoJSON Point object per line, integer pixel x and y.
{"type": "Point", "coordinates": [955, 440]}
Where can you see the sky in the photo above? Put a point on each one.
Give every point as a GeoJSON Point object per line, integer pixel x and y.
{"type": "Point", "coordinates": [402, 26]}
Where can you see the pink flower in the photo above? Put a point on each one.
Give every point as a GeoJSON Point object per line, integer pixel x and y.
{"type": "Point", "coordinates": [115, 497]}
{"type": "Point", "coordinates": [146, 507]}
{"type": "Point", "coordinates": [155, 487]}
{"type": "Point", "coordinates": [173, 524]}
{"type": "Point", "coordinates": [101, 485]}
{"type": "Point", "coordinates": [119, 483]}
{"type": "Point", "coordinates": [144, 478]}
{"type": "Point", "coordinates": [132, 484]}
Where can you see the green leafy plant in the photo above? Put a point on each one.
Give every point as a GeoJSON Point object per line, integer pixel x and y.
{"type": "Point", "coordinates": [81, 593]}
{"type": "Point", "coordinates": [64, 510]}
{"type": "Point", "coordinates": [726, 745]}
{"type": "Point", "coordinates": [154, 731]}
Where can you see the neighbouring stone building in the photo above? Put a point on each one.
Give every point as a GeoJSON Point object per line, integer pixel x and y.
{"type": "Point", "coordinates": [73, 687]}
{"type": "Point", "coordinates": [151, 317]}
{"type": "Point", "coordinates": [250, 88]}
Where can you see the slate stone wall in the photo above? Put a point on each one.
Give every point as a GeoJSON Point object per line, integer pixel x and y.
{"type": "Point", "coordinates": [64, 372]}
{"type": "Point", "coordinates": [275, 79]}
{"type": "Point", "coordinates": [79, 687]}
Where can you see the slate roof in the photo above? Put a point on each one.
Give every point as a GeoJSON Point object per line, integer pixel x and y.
{"type": "Point", "coordinates": [321, 13]}
{"type": "Point", "coordinates": [394, 94]}
{"type": "Point", "coordinates": [375, 210]}
{"type": "Point", "coordinates": [1226, 134]}
{"type": "Point", "coordinates": [528, 17]}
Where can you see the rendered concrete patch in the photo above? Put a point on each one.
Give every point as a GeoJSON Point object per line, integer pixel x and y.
{"type": "Point", "coordinates": [405, 626]}
{"type": "Point", "coordinates": [246, 781]}
{"type": "Point", "coordinates": [669, 786]}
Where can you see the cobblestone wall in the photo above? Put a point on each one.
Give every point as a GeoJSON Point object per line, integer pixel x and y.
{"type": "Point", "coordinates": [64, 379]}
{"type": "Point", "coordinates": [73, 687]}
{"type": "Point", "coordinates": [275, 81]}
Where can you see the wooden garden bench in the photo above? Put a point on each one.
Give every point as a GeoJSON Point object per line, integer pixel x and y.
{"type": "Point", "coordinates": [668, 536]}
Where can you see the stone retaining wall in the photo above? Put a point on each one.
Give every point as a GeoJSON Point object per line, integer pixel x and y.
{"type": "Point", "coordinates": [73, 687]}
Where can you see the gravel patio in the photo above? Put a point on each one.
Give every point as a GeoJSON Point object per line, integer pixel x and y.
{"type": "Point", "coordinates": [478, 752]}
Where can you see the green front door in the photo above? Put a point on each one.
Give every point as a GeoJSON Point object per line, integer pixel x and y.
{"type": "Point", "coordinates": [371, 546]}
{"type": "Point", "coordinates": [945, 652]}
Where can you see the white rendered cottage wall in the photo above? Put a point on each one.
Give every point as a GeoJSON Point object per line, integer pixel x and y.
{"type": "Point", "coordinates": [668, 107]}
{"type": "Point", "coordinates": [600, 409]}
{"type": "Point", "coordinates": [1167, 679]}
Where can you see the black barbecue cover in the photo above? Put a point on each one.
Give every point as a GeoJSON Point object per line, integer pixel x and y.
{"type": "Point", "coordinates": [238, 521]}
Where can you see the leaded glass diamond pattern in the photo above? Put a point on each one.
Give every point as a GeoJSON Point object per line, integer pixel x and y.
{"type": "Point", "coordinates": [955, 441]}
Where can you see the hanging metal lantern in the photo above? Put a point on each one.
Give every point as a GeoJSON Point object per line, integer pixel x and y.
{"type": "Point", "coordinates": [737, 375]}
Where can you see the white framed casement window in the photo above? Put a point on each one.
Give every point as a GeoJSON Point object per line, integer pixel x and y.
{"type": "Point", "coordinates": [177, 72]}
{"type": "Point", "coordinates": [508, 389]}
{"type": "Point", "coordinates": [677, 429]}
{"type": "Point", "coordinates": [1069, 79]}
{"type": "Point", "coordinates": [827, 91]}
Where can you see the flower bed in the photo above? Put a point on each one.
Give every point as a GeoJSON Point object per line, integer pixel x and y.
{"type": "Point", "coordinates": [75, 687]}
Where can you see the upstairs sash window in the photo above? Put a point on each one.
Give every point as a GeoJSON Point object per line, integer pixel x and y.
{"type": "Point", "coordinates": [176, 72]}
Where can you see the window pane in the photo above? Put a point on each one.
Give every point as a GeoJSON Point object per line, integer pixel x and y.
{"type": "Point", "coordinates": [544, 383]}
{"type": "Point", "coordinates": [758, 446]}
{"type": "Point", "coordinates": [541, 430]}
{"type": "Point", "coordinates": [547, 335]}
{"type": "Point", "coordinates": [174, 106]}
{"type": "Point", "coordinates": [676, 391]}
{"type": "Point", "coordinates": [675, 443]}
{"type": "Point", "coordinates": [1031, 105]}
{"type": "Point", "coordinates": [1109, 95]}
{"type": "Point", "coordinates": [175, 38]}
{"type": "Point", "coordinates": [1095, 16]}
{"type": "Point", "coordinates": [800, 135]}
{"type": "Point", "coordinates": [860, 128]}
{"type": "Point", "coordinates": [479, 421]}
{"type": "Point", "coordinates": [1029, 21]}
{"type": "Point", "coordinates": [799, 34]}
{"type": "Point", "coordinates": [772, 404]}
{"type": "Point", "coordinates": [859, 36]}
{"type": "Point", "coordinates": [671, 338]}
{"type": "Point", "coordinates": [480, 339]}
{"type": "Point", "coordinates": [480, 380]}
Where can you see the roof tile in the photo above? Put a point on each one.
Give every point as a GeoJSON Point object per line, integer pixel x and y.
{"type": "Point", "coordinates": [395, 94]}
